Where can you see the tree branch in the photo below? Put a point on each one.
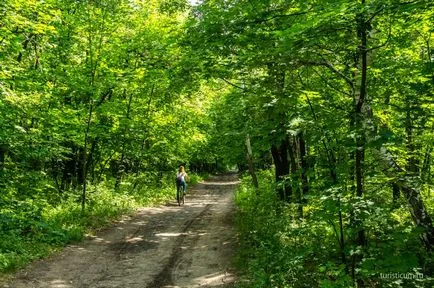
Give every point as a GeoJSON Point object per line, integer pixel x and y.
{"type": "Point", "coordinates": [233, 85]}
{"type": "Point", "coordinates": [330, 85]}
{"type": "Point", "coordinates": [384, 44]}
{"type": "Point", "coordinates": [376, 13]}
{"type": "Point", "coordinates": [331, 67]}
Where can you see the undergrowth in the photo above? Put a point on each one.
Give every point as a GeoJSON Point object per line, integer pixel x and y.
{"type": "Point", "coordinates": [34, 228]}
{"type": "Point", "coordinates": [277, 249]}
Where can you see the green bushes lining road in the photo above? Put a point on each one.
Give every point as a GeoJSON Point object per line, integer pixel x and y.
{"type": "Point", "coordinates": [33, 228]}
{"type": "Point", "coordinates": [278, 250]}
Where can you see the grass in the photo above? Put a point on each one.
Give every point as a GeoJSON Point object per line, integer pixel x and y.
{"type": "Point", "coordinates": [34, 229]}
{"type": "Point", "coordinates": [278, 250]}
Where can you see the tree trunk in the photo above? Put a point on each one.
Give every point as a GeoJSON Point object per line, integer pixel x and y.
{"type": "Point", "coordinates": [144, 141]}
{"type": "Point", "coordinates": [396, 192]}
{"type": "Point", "coordinates": [251, 163]}
{"type": "Point", "coordinates": [84, 168]}
{"type": "Point", "coordinates": [417, 208]}
{"type": "Point", "coordinates": [121, 166]}
{"type": "Point", "coordinates": [359, 101]}
{"type": "Point", "coordinates": [341, 232]}
{"type": "Point", "coordinates": [294, 179]}
{"type": "Point", "coordinates": [92, 159]}
{"type": "Point", "coordinates": [3, 150]}
{"type": "Point", "coordinates": [281, 163]}
{"type": "Point", "coordinates": [304, 166]}
{"type": "Point", "coordinates": [411, 150]}
{"type": "Point", "coordinates": [331, 158]}
{"type": "Point", "coordinates": [2, 156]}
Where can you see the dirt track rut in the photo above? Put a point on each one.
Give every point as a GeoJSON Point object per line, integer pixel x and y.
{"type": "Point", "coordinates": [170, 246]}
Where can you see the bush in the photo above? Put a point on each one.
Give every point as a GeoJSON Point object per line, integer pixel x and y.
{"type": "Point", "coordinates": [279, 250]}
{"type": "Point", "coordinates": [33, 228]}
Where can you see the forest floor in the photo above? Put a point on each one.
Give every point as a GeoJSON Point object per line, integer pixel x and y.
{"type": "Point", "coordinates": [169, 246]}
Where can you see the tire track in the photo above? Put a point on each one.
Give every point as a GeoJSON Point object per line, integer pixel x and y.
{"type": "Point", "coordinates": [164, 278]}
{"type": "Point", "coordinates": [168, 246]}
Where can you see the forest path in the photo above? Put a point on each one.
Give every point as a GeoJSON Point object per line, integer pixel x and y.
{"type": "Point", "coordinates": [169, 246]}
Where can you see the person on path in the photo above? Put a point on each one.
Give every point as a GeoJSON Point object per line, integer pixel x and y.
{"type": "Point", "coordinates": [181, 178]}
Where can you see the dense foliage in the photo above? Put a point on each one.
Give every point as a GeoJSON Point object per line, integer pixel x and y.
{"type": "Point", "coordinates": [335, 97]}
{"type": "Point", "coordinates": [95, 116]}
{"type": "Point", "coordinates": [331, 101]}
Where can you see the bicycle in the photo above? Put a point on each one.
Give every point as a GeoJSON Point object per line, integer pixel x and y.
{"type": "Point", "coordinates": [179, 191]}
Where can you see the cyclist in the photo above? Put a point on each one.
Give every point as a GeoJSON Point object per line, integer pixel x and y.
{"type": "Point", "coordinates": [181, 177]}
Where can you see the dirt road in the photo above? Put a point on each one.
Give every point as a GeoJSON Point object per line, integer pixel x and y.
{"type": "Point", "coordinates": [169, 246]}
